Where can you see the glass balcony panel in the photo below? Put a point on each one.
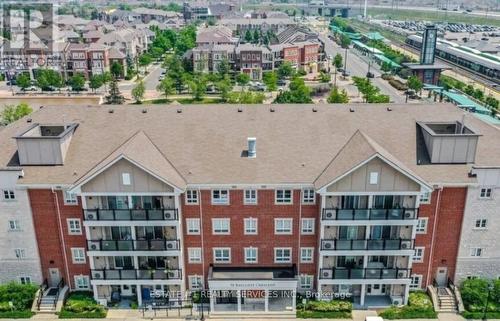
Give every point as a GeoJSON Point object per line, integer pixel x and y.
{"type": "Point", "coordinates": [343, 244]}
{"type": "Point", "coordinates": [378, 214]}
{"type": "Point", "coordinates": [155, 214]}
{"type": "Point", "coordinates": [392, 244]}
{"type": "Point", "coordinates": [341, 274]}
{"type": "Point", "coordinates": [106, 214]}
{"type": "Point", "coordinates": [359, 244]}
{"type": "Point", "coordinates": [139, 215]}
{"type": "Point", "coordinates": [144, 274]}
{"type": "Point", "coordinates": [125, 245]}
{"type": "Point", "coordinates": [389, 273]}
{"type": "Point", "coordinates": [157, 245]}
{"type": "Point", "coordinates": [108, 245]}
{"type": "Point", "coordinates": [373, 273]}
{"type": "Point", "coordinates": [375, 244]}
{"type": "Point", "coordinates": [142, 245]}
{"type": "Point", "coordinates": [357, 274]}
{"type": "Point", "coordinates": [128, 274]}
{"type": "Point", "coordinates": [159, 275]}
{"type": "Point", "coordinates": [395, 214]}
{"type": "Point", "coordinates": [345, 215]}
{"type": "Point", "coordinates": [122, 215]}
{"type": "Point", "coordinates": [113, 274]}
{"type": "Point", "coordinates": [174, 274]}
{"type": "Point", "coordinates": [361, 214]}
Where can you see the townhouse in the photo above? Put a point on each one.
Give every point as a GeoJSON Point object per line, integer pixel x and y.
{"type": "Point", "coordinates": [92, 59]}
{"type": "Point", "coordinates": [366, 201]}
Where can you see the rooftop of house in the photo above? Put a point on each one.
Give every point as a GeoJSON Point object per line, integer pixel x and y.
{"type": "Point", "coordinates": [206, 144]}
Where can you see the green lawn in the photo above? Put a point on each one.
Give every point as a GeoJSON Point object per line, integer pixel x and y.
{"type": "Point", "coordinates": [24, 314]}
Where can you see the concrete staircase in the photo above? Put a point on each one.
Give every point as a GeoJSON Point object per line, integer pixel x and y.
{"type": "Point", "coordinates": [446, 300]}
{"type": "Point", "coordinates": [48, 301]}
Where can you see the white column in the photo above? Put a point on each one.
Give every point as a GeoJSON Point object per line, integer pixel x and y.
{"type": "Point", "coordinates": [294, 299]}
{"type": "Point", "coordinates": [212, 301]}
{"type": "Point", "coordinates": [365, 261]}
{"type": "Point", "coordinates": [368, 232]}
{"type": "Point", "coordinates": [106, 261]}
{"type": "Point", "coordinates": [363, 292]}
{"type": "Point", "coordinates": [129, 197]}
{"type": "Point", "coordinates": [238, 295]}
{"type": "Point", "coordinates": [370, 201]}
{"type": "Point", "coordinates": [94, 289]}
{"type": "Point", "coordinates": [407, 294]}
{"type": "Point", "coordinates": [139, 295]}
{"type": "Point", "coordinates": [266, 300]}
{"type": "Point", "coordinates": [136, 262]}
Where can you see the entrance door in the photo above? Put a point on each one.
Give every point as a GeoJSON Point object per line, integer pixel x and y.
{"type": "Point", "coordinates": [375, 289]}
{"type": "Point", "coordinates": [126, 290]}
{"type": "Point", "coordinates": [442, 276]}
{"type": "Point", "coordinates": [54, 277]}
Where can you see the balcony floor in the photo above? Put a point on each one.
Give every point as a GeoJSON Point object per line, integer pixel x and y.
{"type": "Point", "coordinates": [372, 301]}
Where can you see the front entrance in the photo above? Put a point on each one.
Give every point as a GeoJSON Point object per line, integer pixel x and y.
{"type": "Point", "coordinates": [442, 276]}
{"type": "Point", "coordinates": [54, 277]}
{"type": "Point", "coordinates": [375, 289]}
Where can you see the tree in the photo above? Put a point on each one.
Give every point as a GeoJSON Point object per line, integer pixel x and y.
{"type": "Point", "coordinates": [492, 102]}
{"type": "Point", "coordinates": [386, 67]}
{"type": "Point", "coordinates": [175, 72]}
{"type": "Point", "coordinates": [145, 60]}
{"type": "Point", "coordinates": [248, 36]}
{"type": "Point", "coordinates": [345, 41]}
{"type": "Point", "coordinates": [285, 70]}
{"type": "Point", "coordinates": [166, 86]}
{"type": "Point", "coordinates": [23, 80]}
{"type": "Point", "coordinates": [138, 92]}
{"type": "Point", "coordinates": [324, 77]}
{"type": "Point", "coordinates": [198, 88]}
{"type": "Point", "coordinates": [186, 39]}
{"type": "Point", "coordinates": [224, 87]}
{"type": "Point", "coordinates": [95, 81]}
{"type": "Point", "coordinates": [256, 36]}
{"type": "Point", "coordinates": [270, 78]}
{"type": "Point", "coordinates": [337, 61]}
{"type": "Point", "coordinates": [116, 69]}
{"type": "Point", "coordinates": [12, 113]}
{"type": "Point", "coordinates": [48, 79]}
{"type": "Point", "coordinates": [414, 83]}
{"type": "Point", "coordinates": [223, 68]}
{"type": "Point", "coordinates": [338, 97]}
{"type": "Point", "coordinates": [242, 79]}
{"type": "Point", "coordinates": [115, 97]}
{"type": "Point", "coordinates": [298, 93]}
{"type": "Point", "coordinates": [77, 82]}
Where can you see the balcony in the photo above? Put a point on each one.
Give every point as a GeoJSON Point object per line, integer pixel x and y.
{"type": "Point", "coordinates": [371, 244]}
{"type": "Point", "coordinates": [362, 274]}
{"type": "Point", "coordinates": [336, 214]}
{"type": "Point", "coordinates": [131, 274]}
{"type": "Point", "coordinates": [130, 215]}
{"type": "Point", "coordinates": [132, 245]}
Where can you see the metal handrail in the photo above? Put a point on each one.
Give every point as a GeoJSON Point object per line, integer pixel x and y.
{"type": "Point", "coordinates": [100, 214]}
{"type": "Point", "coordinates": [60, 285]}
{"type": "Point", "coordinates": [134, 245]}
{"type": "Point", "coordinates": [42, 288]}
{"type": "Point", "coordinates": [365, 273]}
{"type": "Point", "coordinates": [137, 274]}
{"type": "Point", "coordinates": [367, 244]}
{"type": "Point", "coordinates": [369, 214]}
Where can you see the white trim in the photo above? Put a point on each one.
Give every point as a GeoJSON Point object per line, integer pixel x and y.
{"type": "Point", "coordinates": [186, 197]}
{"type": "Point", "coordinates": [416, 259]}
{"type": "Point", "coordinates": [83, 194]}
{"type": "Point", "coordinates": [228, 202]}
{"type": "Point", "coordinates": [73, 250]}
{"type": "Point", "coordinates": [188, 220]}
{"type": "Point", "coordinates": [256, 202]}
{"type": "Point", "coordinates": [283, 219]}
{"type": "Point", "coordinates": [256, 255]}
{"type": "Point", "coordinates": [276, 196]}
{"type": "Point", "coordinates": [221, 249]}
{"type": "Point", "coordinates": [283, 248]}
{"type": "Point", "coordinates": [311, 219]}
{"type": "Point", "coordinates": [195, 259]}
{"type": "Point", "coordinates": [221, 219]}
{"type": "Point", "coordinates": [245, 226]}
{"type": "Point", "coordinates": [426, 219]}
{"type": "Point", "coordinates": [68, 220]}
{"type": "Point", "coordinates": [312, 255]}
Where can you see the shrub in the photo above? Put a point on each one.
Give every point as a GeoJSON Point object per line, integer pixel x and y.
{"type": "Point", "coordinates": [325, 309]}
{"type": "Point", "coordinates": [24, 314]}
{"type": "Point", "coordinates": [21, 296]}
{"type": "Point", "coordinates": [475, 292]}
{"type": "Point", "coordinates": [387, 76]}
{"type": "Point", "coordinates": [82, 305]}
{"type": "Point", "coordinates": [398, 84]}
{"type": "Point", "coordinates": [419, 307]}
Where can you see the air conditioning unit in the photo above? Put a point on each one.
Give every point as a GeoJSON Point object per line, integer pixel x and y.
{"type": "Point", "coordinates": [172, 274]}
{"type": "Point", "coordinates": [329, 214]}
{"type": "Point", "coordinates": [397, 301]}
{"type": "Point", "coordinates": [98, 275]}
{"type": "Point", "coordinates": [405, 245]}
{"type": "Point", "coordinates": [94, 246]}
{"type": "Point", "coordinates": [327, 274]}
{"type": "Point", "coordinates": [171, 245]}
{"type": "Point", "coordinates": [91, 216]}
{"type": "Point", "coordinates": [408, 214]}
{"type": "Point", "coordinates": [328, 245]}
{"type": "Point", "coordinates": [401, 274]}
{"type": "Point", "coordinates": [169, 215]}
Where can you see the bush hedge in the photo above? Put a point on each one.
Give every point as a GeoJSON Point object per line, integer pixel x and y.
{"type": "Point", "coordinates": [474, 294]}
{"type": "Point", "coordinates": [24, 314]}
{"type": "Point", "coordinates": [21, 296]}
{"type": "Point", "coordinates": [82, 305]}
{"type": "Point", "coordinates": [419, 307]}
{"type": "Point", "coordinates": [398, 84]}
{"type": "Point", "coordinates": [325, 309]}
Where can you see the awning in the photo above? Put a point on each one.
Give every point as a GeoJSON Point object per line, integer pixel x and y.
{"type": "Point", "coordinates": [383, 58]}
{"type": "Point", "coordinates": [466, 103]}
{"type": "Point", "coordinates": [364, 47]}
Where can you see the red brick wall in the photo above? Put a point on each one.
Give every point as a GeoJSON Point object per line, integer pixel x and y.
{"type": "Point", "coordinates": [47, 229]}
{"type": "Point", "coordinates": [450, 212]}
{"type": "Point", "coordinates": [266, 211]}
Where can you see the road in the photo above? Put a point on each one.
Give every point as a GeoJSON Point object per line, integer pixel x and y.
{"type": "Point", "coordinates": [150, 81]}
{"type": "Point", "coordinates": [358, 67]}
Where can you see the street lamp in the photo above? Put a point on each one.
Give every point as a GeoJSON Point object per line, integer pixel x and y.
{"type": "Point", "coordinates": [490, 288]}
{"type": "Point", "coordinates": [345, 61]}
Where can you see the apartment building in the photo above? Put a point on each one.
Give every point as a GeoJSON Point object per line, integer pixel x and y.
{"type": "Point", "coordinates": [241, 25]}
{"type": "Point", "coordinates": [361, 203]}
{"type": "Point", "coordinates": [92, 59]}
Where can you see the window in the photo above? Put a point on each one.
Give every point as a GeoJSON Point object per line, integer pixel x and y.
{"type": "Point", "coordinates": [250, 255]}
{"type": "Point", "coordinates": [78, 255]}
{"type": "Point", "coordinates": [306, 255]}
{"type": "Point", "coordinates": [74, 226]}
{"type": "Point", "coordinates": [20, 253]}
{"type": "Point", "coordinates": [485, 193]}
{"type": "Point", "coordinates": [220, 197]}
{"type": "Point", "coordinates": [422, 225]}
{"type": "Point", "coordinates": [191, 197]}
{"type": "Point", "coordinates": [126, 179]}
{"type": "Point", "coordinates": [250, 226]}
{"type": "Point", "coordinates": [282, 255]}
{"type": "Point", "coordinates": [9, 195]}
{"type": "Point", "coordinates": [481, 223]}
{"type": "Point", "coordinates": [419, 254]}
{"type": "Point", "coordinates": [194, 255]}
{"type": "Point", "coordinates": [472, 277]}
{"type": "Point", "coordinates": [283, 226]}
{"type": "Point", "coordinates": [250, 197]}
{"type": "Point", "coordinates": [306, 281]}
{"type": "Point", "coordinates": [307, 226]}
{"type": "Point", "coordinates": [416, 282]}
{"type": "Point", "coordinates": [283, 196]}
{"type": "Point", "coordinates": [220, 226]}
{"type": "Point", "coordinates": [195, 282]}
{"type": "Point", "coordinates": [25, 279]}
{"type": "Point", "coordinates": [14, 225]}
{"type": "Point", "coordinates": [476, 251]}
{"type": "Point", "coordinates": [308, 196]}
{"type": "Point", "coordinates": [70, 198]}
{"type": "Point", "coordinates": [82, 282]}
{"type": "Point", "coordinates": [222, 255]}
{"type": "Point", "coordinates": [193, 226]}
{"type": "Point", "coordinates": [373, 178]}
{"type": "Point", "coordinates": [425, 198]}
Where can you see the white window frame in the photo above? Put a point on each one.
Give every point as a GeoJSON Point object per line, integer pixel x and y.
{"type": "Point", "coordinates": [414, 286]}
{"type": "Point", "coordinates": [194, 255]}
{"type": "Point", "coordinates": [304, 222]}
{"type": "Point", "coordinates": [306, 258]}
{"type": "Point", "coordinates": [248, 198]}
{"type": "Point", "coordinates": [193, 226]}
{"type": "Point", "coordinates": [224, 261]}
{"type": "Point", "coordinates": [221, 200]}
{"type": "Point", "coordinates": [283, 199]}
{"type": "Point", "coordinates": [199, 282]}
{"type": "Point", "coordinates": [126, 179]}
{"type": "Point", "coordinates": [374, 178]}
{"type": "Point", "coordinates": [86, 281]}
{"type": "Point", "coordinates": [418, 228]}
{"type": "Point", "coordinates": [20, 253]}
{"type": "Point", "coordinates": [281, 249]}
{"type": "Point", "coordinates": [485, 193]}
{"type": "Point", "coordinates": [247, 257]}
{"type": "Point", "coordinates": [191, 197]}
{"type": "Point", "coordinates": [477, 251]}
{"type": "Point", "coordinates": [217, 230]}
{"type": "Point", "coordinates": [481, 221]}
{"type": "Point", "coordinates": [419, 258]}
{"type": "Point", "coordinates": [308, 196]}
{"type": "Point", "coordinates": [74, 230]}
{"type": "Point", "coordinates": [279, 230]}
{"type": "Point", "coordinates": [250, 221]}
{"type": "Point", "coordinates": [25, 279]}
{"type": "Point", "coordinates": [76, 257]}
{"type": "Point", "coordinates": [14, 226]}
{"type": "Point", "coordinates": [70, 199]}
{"type": "Point", "coordinates": [306, 285]}
{"type": "Point", "coordinates": [425, 197]}
{"type": "Point", "coordinates": [9, 195]}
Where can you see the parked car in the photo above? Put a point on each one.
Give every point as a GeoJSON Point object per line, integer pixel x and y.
{"type": "Point", "coordinates": [30, 88]}
{"type": "Point", "coordinates": [345, 73]}
{"type": "Point", "coordinates": [370, 75]}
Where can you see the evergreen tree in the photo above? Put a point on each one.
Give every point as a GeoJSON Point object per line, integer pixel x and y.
{"type": "Point", "coordinates": [115, 97]}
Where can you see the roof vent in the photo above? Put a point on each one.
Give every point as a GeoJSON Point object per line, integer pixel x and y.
{"type": "Point", "coordinates": [111, 111]}
{"type": "Point", "coordinates": [179, 111]}
{"type": "Point", "coordinates": [29, 120]}
{"type": "Point", "coordinates": [351, 110]}
{"type": "Point", "coordinates": [252, 147]}
{"type": "Point", "coordinates": [389, 109]}
{"type": "Point", "coordinates": [240, 109]}
{"type": "Point", "coordinates": [315, 109]}
{"type": "Point", "coordinates": [144, 111]}
{"type": "Point", "coordinates": [271, 109]}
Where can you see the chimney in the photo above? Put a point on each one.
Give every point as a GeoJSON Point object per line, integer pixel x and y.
{"type": "Point", "coordinates": [252, 150]}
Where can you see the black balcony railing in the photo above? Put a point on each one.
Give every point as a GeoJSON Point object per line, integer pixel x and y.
{"type": "Point", "coordinates": [125, 274]}
{"type": "Point", "coordinates": [361, 273]}
{"type": "Point", "coordinates": [133, 245]}
{"type": "Point", "coordinates": [384, 244]}
{"type": "Point", "coordinates": [336, 214]}
{"type": "Point", "coordinates": [130, 215]}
